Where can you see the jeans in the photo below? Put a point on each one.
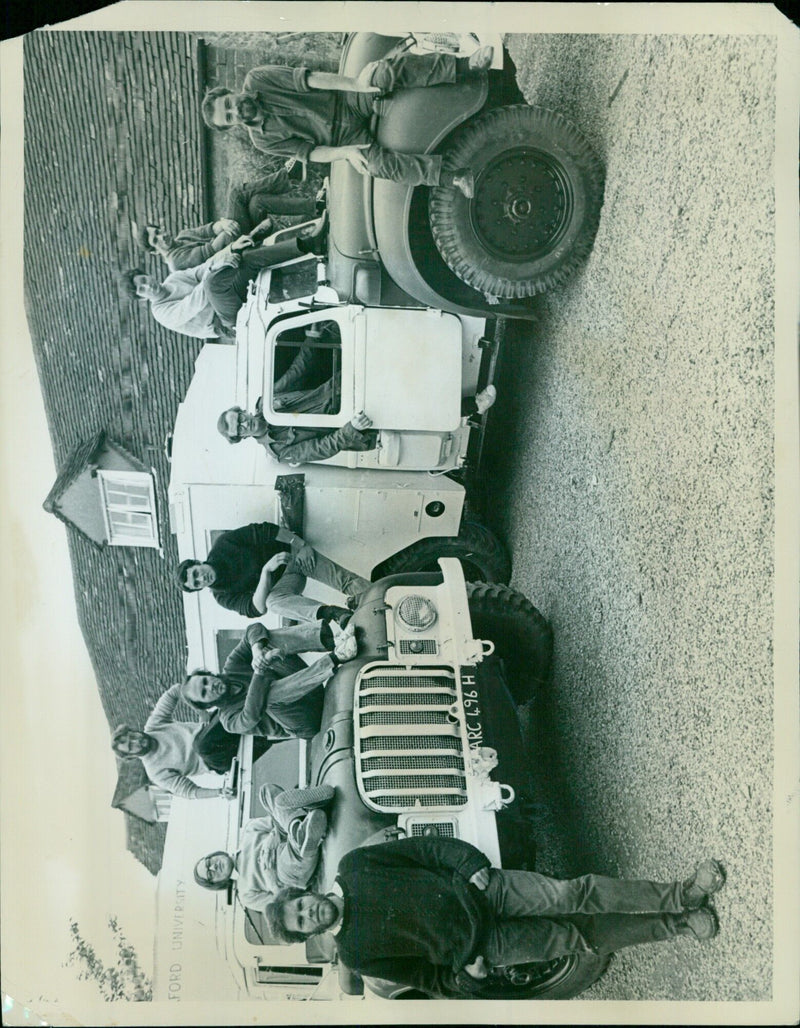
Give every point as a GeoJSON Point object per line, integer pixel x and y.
{"type": "Point", "coordinates": [285, 598]}
{"type": "Point", "coordinates": [226, 289]}
{"type": "Point", "coordinates": [540, 918]}
{"type": "Point", "coordinates": [354, 111]}
{"type": "Point", "coordinates": [251, 202]}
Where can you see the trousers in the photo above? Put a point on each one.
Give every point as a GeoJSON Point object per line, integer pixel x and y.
{"type": "Point", "coordinates": [541, 918]}
{"type": "Point", "coordinates": [251, 202]}
{"type": "Point", "coordinates": [226, 289]}
{"type": "Point", "coordinates": [285, 598]}
{"type": "Point", "coordinates": [354, 112]}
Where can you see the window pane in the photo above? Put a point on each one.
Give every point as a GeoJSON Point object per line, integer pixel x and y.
{"type": "Point", "coordinates": [307, 376]}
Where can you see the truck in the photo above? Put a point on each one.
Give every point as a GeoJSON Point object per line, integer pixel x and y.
{"type": "Point", "coordinates": [420, 733]}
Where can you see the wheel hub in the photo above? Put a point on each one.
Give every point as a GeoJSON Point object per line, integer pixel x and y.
{"type": "Point", "coordinates": [523, 204]}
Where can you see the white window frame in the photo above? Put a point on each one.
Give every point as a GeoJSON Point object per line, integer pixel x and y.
{"type": "Point", "coordinates": [116, 536]}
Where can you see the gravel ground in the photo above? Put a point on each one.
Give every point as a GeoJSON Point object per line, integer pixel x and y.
{"type": "Point", "coordinates": [632, 464]}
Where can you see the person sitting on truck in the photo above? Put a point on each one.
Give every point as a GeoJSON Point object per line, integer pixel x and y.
{"type": "Point", "coordinates": [430, 912]}
{"type": "Point", "coordinates": [321, 117]}
{"type": "Point", "coordinates": [172, 751]}
{"type": "Point", "coordinates": [264, 692]}
{"type": "Point", "coordinates": [299, 445]}
{"type": "Point", "coordinates": [203, 302]}
{"type": "Point", "coordinates": [276, 851]}
{"type": "Point", "coordinates": [261, 564]}
{"type": "Point", "coordinates": [248, 208]}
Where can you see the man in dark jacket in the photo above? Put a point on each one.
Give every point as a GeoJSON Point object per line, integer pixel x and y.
{"type": "Point", "coordinates": [429, 912]}
{"type": "Point", "coordinates": [320, 116]}
{"type": "Point", "coordinates": [259, 563]}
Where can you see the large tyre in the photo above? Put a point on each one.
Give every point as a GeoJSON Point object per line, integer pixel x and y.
{"type": "Point", "coordinates": [556, 979]}
{"type": "Point", "coordinates": [521, 635]}
{"type": "Point", "coordinates": [482, 555]}
{"type": "Point", "coordinates": [538, 195]}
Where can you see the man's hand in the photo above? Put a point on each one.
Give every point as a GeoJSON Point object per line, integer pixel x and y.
{"type": "Point", "coordinates": [480, 879]}
{"type": "Point", "coordinates": [364, 78]}
{"type": "Point", "coordinates": [242, 243]}
{"type": "Point", "coordinates": [263, 656]}
{"type": "Point", "coordinates": [478, 968]}
{"type": "Point", "coordinates": [226, 225]}
{"type": "Point", "coordinates": [275, 562]}
{"type": "Point", "coordinates": [224, 259]}
{"type": "Point", "coordinates": [361, 421]}
{"type": "Point", "coordinates": [304, 556]}
{"type": "Point", "coordinates": [354, 156]}
{"type": "Point", "coordinates": [345, 646]}
{"type": "Point", "coordinates": [226, 792]}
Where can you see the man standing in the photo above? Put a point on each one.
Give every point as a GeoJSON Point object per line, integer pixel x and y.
{"type": "Point", "coordinates": [430, 912]}
{"type": "Point", "coordinates": [172, 751]}
{"type": "Point", "coordinates": [320, 116]}
{"type": "Point", "coordinates": [262, 562]}
{"type": "Point", "coordinates": [263, 692]}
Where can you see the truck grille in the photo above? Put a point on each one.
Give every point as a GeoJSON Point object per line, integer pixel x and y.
{"type": "Point", "coordinates": [414, 646]}
{"type": "Point", "coordinates": [409, 744]}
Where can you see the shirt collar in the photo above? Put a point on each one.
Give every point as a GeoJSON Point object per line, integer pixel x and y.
{"type": "Point", "coordinates": [336, 889]}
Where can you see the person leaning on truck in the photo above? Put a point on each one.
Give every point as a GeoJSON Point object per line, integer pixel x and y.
{"type": "Point", "coordinates": [172, 751]}
{"type": "Point", "coordinates": [203, 302]}
{"type": "Point", "coordinates": [430, 912]}
{"type": "Point", "coordinates": [276, 851]}
{"type": "Point", "coordinates": [248, 209]}
{"type": "Point", "coordinates": [292, 445]}
{"type": "Point", "coordinates": [263, 692]}
{"type": "Point", "coordinates": [321, 117]}
{"type": "Point", "coordinates": [260, 564]}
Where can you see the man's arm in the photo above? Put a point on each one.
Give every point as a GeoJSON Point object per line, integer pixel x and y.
{"type": "Point", "coordinates": [266, 580]}
{"type": "Point", "coordinates": [179, 785]}
{"type": "Point", "coordinates": [323, 446]}
{"type": "Point", "coordinates": [186, 252]}
{"type": "Point", "coordinates": [431, 851]}
{"type": "Point", "coordinates": [164, 710]}
{"type": "Point", "coordinates": [437, 981]}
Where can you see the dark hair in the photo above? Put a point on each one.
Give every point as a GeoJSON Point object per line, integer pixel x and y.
{"type": "Point", "coordinates": [127, 286]}
{"type": "Point", "coordinates": [275, 911]}
{"type": "Point", "coordinates": [180, 574]}
{"type": "Point", "coordinates": [222, 426]}
{"type": "Point", "coordinates": [116, 735]}
{"type": "Point", "coordinates": [143, 240]}
{"type": "Point", "coordinates": [196, 704]}
{"type": "Point", "coordinates": [204, 882]}
{"type": "Point", "coordinates": [207, 107]}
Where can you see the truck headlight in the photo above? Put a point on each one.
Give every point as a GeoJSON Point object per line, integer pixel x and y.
{"type": "Point", "coordinates": [417, 613]}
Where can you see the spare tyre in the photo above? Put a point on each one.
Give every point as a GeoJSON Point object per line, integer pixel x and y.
{"type": "Point", "coordinates": [536, 208]}
{"type": "Point", "coordinates": [483, 557]}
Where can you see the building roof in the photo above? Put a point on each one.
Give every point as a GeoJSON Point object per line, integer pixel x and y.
{"type": "Point", "coordinates": [112, 136]}
{"type": "Point", "coordinates": [132, 776]}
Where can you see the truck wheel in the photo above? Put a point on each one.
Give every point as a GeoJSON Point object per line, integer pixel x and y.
{"type": "Point", "coordinates": [538, 195]}
{"type": "Point", "coordinates": [556, 979]}
{"type": "Point", "coordinates": [521, 635]}
{"type": "Point", "coordinates": [482, 555]}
